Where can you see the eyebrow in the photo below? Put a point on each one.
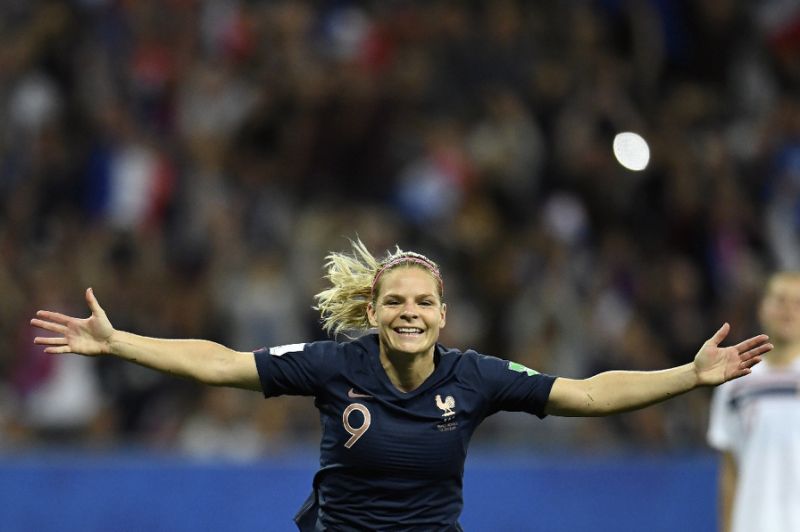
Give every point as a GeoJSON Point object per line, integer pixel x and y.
{"type": "Point", "coordinates": [420, 296]}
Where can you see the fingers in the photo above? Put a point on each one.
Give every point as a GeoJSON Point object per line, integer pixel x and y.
{"type": "Point", "coordinates": [50, 340]}
{"type": "Point", "coordinates": [720, 335]}
{"type": "Point", "coordinates": [750, 343]}
{"type": "Point", "coordinates": [750, 359]}
{"type": "Point", "coordinates": [745, 368]}
{"type": "Point", "coordinates": [756, 351]}
{"type": "Point", "coordinates": [749, 363]}
{"type": "Point", "coordinates": [56, 345]}
{"type": "Point", "coordinates": [752, 346]}
{"type": "Point", "coordinates": [63, 319]}
{"type": "Point", "coordinates": [48, 325]}
{"type": "Point", "coordinates": [740, 373]}
{"type": "Point", "coordinates": [58, 350]}
{"type": "Point", "coordinates": [94, 306]}
{"type": "Point", "coordinates": [56, 317]}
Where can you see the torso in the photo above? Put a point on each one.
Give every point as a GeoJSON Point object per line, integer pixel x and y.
{"type": "Point", "coordinates": [385, 453]}
{"type": "Point", "coordinates": [761, 414]}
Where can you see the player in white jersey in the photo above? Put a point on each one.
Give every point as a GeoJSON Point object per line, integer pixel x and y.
{"type": "Point", "coordinates": [755, 422]}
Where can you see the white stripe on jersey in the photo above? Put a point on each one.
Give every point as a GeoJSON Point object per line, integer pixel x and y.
{"type": "Point", "coordinates": [283, 349]}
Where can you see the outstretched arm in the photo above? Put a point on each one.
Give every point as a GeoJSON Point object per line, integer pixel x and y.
{"type": "Point", "coordinates": [201, 360]}
{"type": "Point", "coordinates": [620, 391]}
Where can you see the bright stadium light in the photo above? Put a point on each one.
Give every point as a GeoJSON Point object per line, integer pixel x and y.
{"type": "Point", "coordinates": [631, 151]}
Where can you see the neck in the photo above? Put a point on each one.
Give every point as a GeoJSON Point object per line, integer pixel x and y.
{"type": "Point", "coordinates": [407, 371]}
{"type": "Point", "coordinates": [783, 354]}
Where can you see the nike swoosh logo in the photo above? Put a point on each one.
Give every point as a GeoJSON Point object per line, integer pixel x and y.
{"type": "Point", "coordinates": [351, 393]}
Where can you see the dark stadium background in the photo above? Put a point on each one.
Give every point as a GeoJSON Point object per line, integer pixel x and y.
{"type": "Point", "coordinates": [193, 161]}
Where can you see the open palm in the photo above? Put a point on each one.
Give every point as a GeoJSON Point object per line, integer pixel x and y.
{"type": "Point", "coordinates": [715, 365]}
{"type": "Point", "coordinates": [85, 336]}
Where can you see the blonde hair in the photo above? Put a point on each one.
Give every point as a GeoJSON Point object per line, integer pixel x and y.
{"type": "Point", "coordinates": [354, 280]}
{"type": "Point", "coordinates": [784, 275]}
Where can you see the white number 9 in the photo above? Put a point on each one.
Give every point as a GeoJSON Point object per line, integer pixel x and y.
{"type": "Point", "coordinates": [355, 432]}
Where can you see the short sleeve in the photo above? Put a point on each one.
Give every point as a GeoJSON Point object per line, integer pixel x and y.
{"type": "Point", "coordinates": [296, 369]}
{"type": "Point", "coordinates": [513, 387]}
{"type": "Point", "coordinates": [720, 422]}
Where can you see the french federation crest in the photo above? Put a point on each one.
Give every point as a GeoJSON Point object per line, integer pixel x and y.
{"type": "Point", "coordinates": [447, 405]}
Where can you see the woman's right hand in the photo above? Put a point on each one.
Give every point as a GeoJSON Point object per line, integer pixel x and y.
{"type": "Point", "coordinates": [87, 336]}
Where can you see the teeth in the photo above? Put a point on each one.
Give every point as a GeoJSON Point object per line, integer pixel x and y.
{"type": "Point", "coordinates": [408, 330]}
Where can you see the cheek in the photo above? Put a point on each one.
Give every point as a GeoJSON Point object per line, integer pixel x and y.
{"type": "Point", "coordinates": [383, 318]}
{"type": "Point", "coordinates": [436, 320]}
{"type": "Point", "coordinates": [371, 316]}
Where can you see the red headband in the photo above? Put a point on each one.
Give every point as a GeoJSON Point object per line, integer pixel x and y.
{"type": "Point", "coordinates": [431, 267]}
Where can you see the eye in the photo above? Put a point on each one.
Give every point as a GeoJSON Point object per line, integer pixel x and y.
{"type": "Point", "coordinates": [426, 303]}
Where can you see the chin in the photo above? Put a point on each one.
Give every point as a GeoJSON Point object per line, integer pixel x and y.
{"type": "Point", "coordinates": [411, 346]}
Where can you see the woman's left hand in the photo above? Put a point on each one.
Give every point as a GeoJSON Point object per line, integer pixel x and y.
{"type": "Point", "coordinates": [714, 364]}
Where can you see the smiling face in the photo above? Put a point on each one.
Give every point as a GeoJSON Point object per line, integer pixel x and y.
{"type": "Point", "coordinates": [407, 310]}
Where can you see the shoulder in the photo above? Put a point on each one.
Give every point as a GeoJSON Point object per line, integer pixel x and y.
{"type": "Point", "coordinates": [320, 347]}
{"type": "Point", "coordinates": [366, 345]}
{"type": "Point", "coordinates": [320, 357]}
{"type": "Point", "coordinates": [454, 354]}
{"type": "Point", "coordinates": [481, 365]}
{"type": "Point", "coordinates": [305, 368]}
{"type": "Point", "coordinates": [455, 359]}
{"type": "Point", "coordinates": [288, 350]}
{"type": "Point", "coordinates": [352, 352]}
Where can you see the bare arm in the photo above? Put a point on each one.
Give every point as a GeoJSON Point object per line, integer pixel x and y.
{"type": "Point", "coordinates": [620, 391]}
{"type": "Point", "coordinates": [613, 392]}
{"type": "Point", "coordinates": [201, 360]}
{"type": "Point", "coordinates": [728, 476]}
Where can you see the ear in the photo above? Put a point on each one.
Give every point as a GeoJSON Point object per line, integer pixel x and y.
{"type": "Point", "coordinates": [373, 320]}
{"type": "Point", "coordinates": [444, 316]}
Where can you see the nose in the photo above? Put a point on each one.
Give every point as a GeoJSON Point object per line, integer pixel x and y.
{"type": "Point", "coordinates": [409, 311]}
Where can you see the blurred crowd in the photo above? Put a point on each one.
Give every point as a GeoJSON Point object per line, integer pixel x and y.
{"type": "Point", "coordinates": [194, 160]}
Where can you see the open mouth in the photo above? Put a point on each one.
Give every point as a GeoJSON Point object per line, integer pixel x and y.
{"type": "Point", "coordinates": [410, 332]}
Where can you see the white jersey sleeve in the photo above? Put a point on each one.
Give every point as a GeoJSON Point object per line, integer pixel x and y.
{"type": "Point", "coordinates": [722, 422]}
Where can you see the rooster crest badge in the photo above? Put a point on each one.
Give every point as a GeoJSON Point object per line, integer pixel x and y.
{"type": "Point", "coordinates": [447, 405]}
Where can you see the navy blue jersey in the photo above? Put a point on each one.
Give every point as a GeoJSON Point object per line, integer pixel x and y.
{"type": "Point", "coordinates": [390, 459]}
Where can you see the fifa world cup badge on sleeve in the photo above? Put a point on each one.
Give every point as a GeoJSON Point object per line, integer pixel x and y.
{"type": "Point", "coordinates": [516, 366]}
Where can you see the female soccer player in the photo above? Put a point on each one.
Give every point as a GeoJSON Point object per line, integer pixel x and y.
{"type": "Point", "coordinates": [397, 409]}
{"type": "Point", "coordinates": [755, 423]}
